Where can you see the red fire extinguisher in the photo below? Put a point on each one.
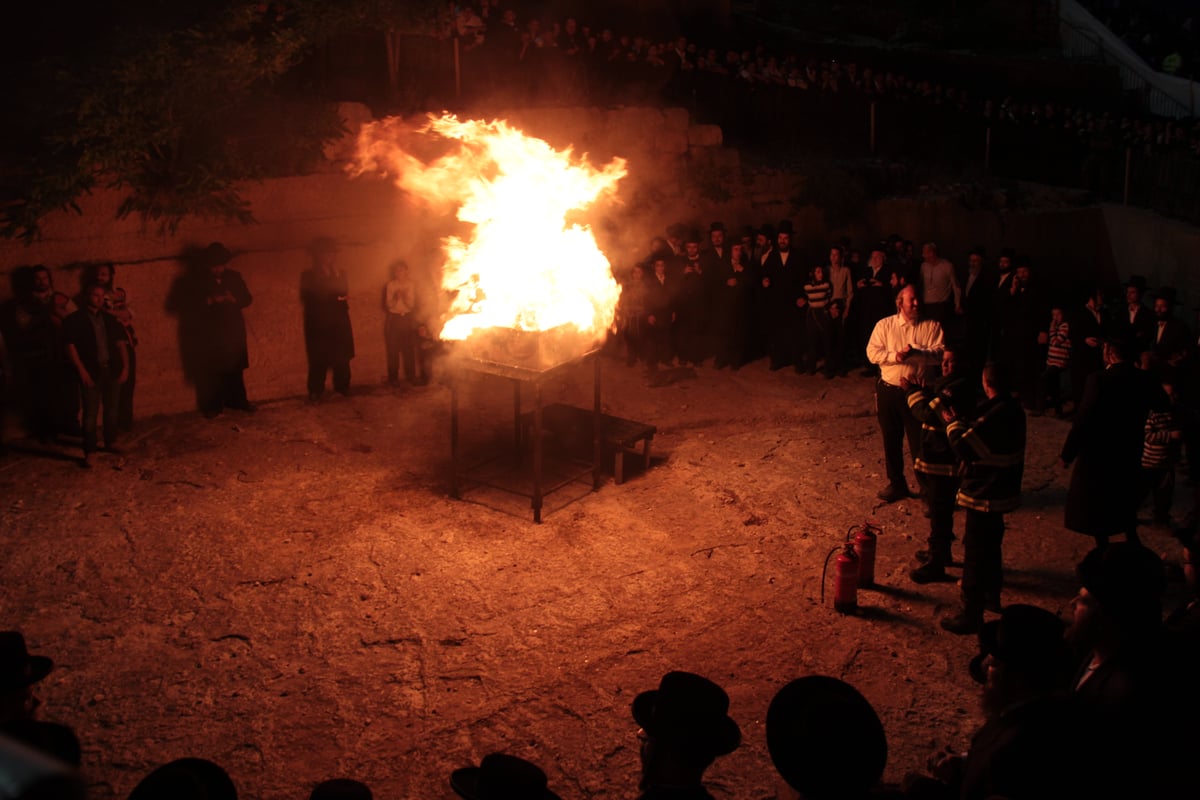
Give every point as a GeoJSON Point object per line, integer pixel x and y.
{"type": "Point", "coordinates": [845, 579]}
{"type": "Point", "coordinates": [863, 538]}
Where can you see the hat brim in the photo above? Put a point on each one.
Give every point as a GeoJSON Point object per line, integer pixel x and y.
{"type": "Point", "coordinates": [465, 782]}
{"type": "Point", "coordinates": [720, 739]}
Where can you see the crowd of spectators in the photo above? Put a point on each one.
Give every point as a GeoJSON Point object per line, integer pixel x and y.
{"type": "Point", "coordinates": [739, 84]}
{"type": "Point", "coordinates": [1163, 32]}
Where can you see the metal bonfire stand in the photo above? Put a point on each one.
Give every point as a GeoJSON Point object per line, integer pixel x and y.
{"type": "Point", "coordinates": [524, 358]}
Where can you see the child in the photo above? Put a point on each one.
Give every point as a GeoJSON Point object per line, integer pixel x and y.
{"type": "Point", "coordinates": [1160, 454]}
{"type": "Point", "coordinates": [1058, 358]}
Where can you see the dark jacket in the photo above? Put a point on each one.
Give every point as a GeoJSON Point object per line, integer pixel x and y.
{"type": "Point", "coordinates": [328, 337]}
{"type": "Point", "coordinates": [936, 457]}
{"type": "Point", "coordinates": [991, 448]}
{"type": "Point", "coordinates": [78, 330]}
{"type": "Point", "coordinates": [1105, 444]}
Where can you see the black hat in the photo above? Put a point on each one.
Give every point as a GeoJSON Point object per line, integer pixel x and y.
{"type": "Point", "coordinates": [502, 777]}
{"type": "Point", "coordinates": [18, 669]}
{"type": "Point", "coordinates": [1127, 579]}
{"type": "Point", "coordinates": [1136, 281]}
{"type": "Point", "coordinates": [1008, 253]}
{"type": "Point", "coordinates": [216, 254]}
{"type": "Point", "coordinates": [785, 226]}
{"type": "Point", "coordinates": [341, 789]}
{"type": "Point", "coordinates": [677, 230]}
{"type": "Point", "coordinates": [1167, 293]}
{"type": "Point", "coordinates": [824, 738]}
{"type": "Point", "coordinates": [768, 230]}
{"type": "Point", "coordinates": [186, 779]}
{"type": "Point", "coordinates": [978, 250]}
{"type": "Point", "coordinates": [1026, 638]}
{"type": "Point", "coordinates": [716, 226]}
{"type": "Point", "coordinates": [688, 710]}
{"type": "Point", "coordinates": [692, 235]}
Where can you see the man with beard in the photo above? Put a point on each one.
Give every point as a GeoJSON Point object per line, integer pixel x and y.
{"type": "Point", "coordinates": [1105, 446]}
{"type": "Point", "coordinates": [906, 348]}
{"type": "Point", "coordinates": [694, 301]}
{"type": "Point", "coordinates": [1129, 679]}
{"type": "Point", "coordinates": [1171, 345]}
{"type": "Point", "coordinates": [1088, 329]}
{"type": "Point", "coordinates": [1032, 744]}
{"type": "Point", "coordinates": [978, 302]}
{"type": "Point", "coordinates": [782, 294]}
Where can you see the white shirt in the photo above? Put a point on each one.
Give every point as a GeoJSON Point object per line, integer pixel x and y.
{"type": "Point", "coordinates": [892, 334]}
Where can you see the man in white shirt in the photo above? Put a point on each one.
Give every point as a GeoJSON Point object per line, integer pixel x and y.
{"type": "Point", "coordinates": [940, 293]}
{"type": "Point", "coordinates": [907, 350]}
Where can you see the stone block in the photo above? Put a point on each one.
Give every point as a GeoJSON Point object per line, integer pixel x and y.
{"type": "Point", "coordinates": [676, 119]}
{"type": "Point", "coordinates": [704, 135]}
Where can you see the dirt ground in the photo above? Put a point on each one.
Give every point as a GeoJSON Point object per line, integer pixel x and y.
{"type": "Point", "coordinates": [295, 595]}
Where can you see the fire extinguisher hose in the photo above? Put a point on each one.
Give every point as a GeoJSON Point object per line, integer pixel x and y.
{"type": "Point", "coordinates": [825, 569]}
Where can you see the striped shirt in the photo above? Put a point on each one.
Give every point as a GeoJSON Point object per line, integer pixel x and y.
{"type": "Point", "coordinates": [1160, 450]}
{"type": "Point", "coordinates": [1058, 354]}
{"type": "Point", "coordinates": [818, 294]}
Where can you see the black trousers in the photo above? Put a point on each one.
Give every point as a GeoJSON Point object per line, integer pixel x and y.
{"type": "Point", "coordinates": [318, 369]}
{"type": "Point", "coordinates": [940, 491]}
{"type": "Point", "coordinates": [220, 389]}
{"type": "Point", "coordinates": [896, 423]}
{"type": "Point", "coordinates": [400, 338]}
{"type": "Point", "coordinates": [104, 393]}
{"type": "Point", "coordinates": [983, 568]}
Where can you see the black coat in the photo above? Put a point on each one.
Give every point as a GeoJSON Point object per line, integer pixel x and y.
{"type": "Point", "coordinates": [1033, 750]}
{"type": "Point", "coordinates": [328, 337]}
{"type": "Point", "coordinates": [217, 306]}
{"type": "Point", "coordinates": [1105, 444]}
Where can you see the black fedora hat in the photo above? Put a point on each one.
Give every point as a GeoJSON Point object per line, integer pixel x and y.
{"type": "Point", "coordinates": [500, 776]}
{"type": "Point", "coordinates": [688, 710]}
{"type": "Point", "coordinates": [1027, 638]}
{"type": "Point", "coordinates": [1127, 579]}
{"type": "Point", "coordinates": [716, 226]}
{"type": "Point", "coordinates": [186, 779]}
{"type": "Point", "coordinates": [825, 739]}
{"type": "Point", "coordinates": [1136, 281]}
{"type": "Point", "coordinates": [785, 226]}
{"type": "Point", "coordinates": [18, 668]}
{"type": "Point", "coordinates": [215, 255]}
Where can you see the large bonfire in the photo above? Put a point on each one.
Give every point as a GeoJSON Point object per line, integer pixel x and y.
{"type": "Point", "coordinates": [524, 265]}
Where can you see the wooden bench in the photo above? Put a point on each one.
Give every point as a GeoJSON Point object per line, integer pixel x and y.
{"type": "Point", "coordinates": [571, 428]}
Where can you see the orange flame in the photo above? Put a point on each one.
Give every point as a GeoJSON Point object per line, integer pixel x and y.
{"type": "Point", "coordinates": [524, 267]}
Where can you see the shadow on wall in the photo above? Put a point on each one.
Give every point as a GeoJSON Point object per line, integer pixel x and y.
{"type": "Point", "coordinates": [203, 340]}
